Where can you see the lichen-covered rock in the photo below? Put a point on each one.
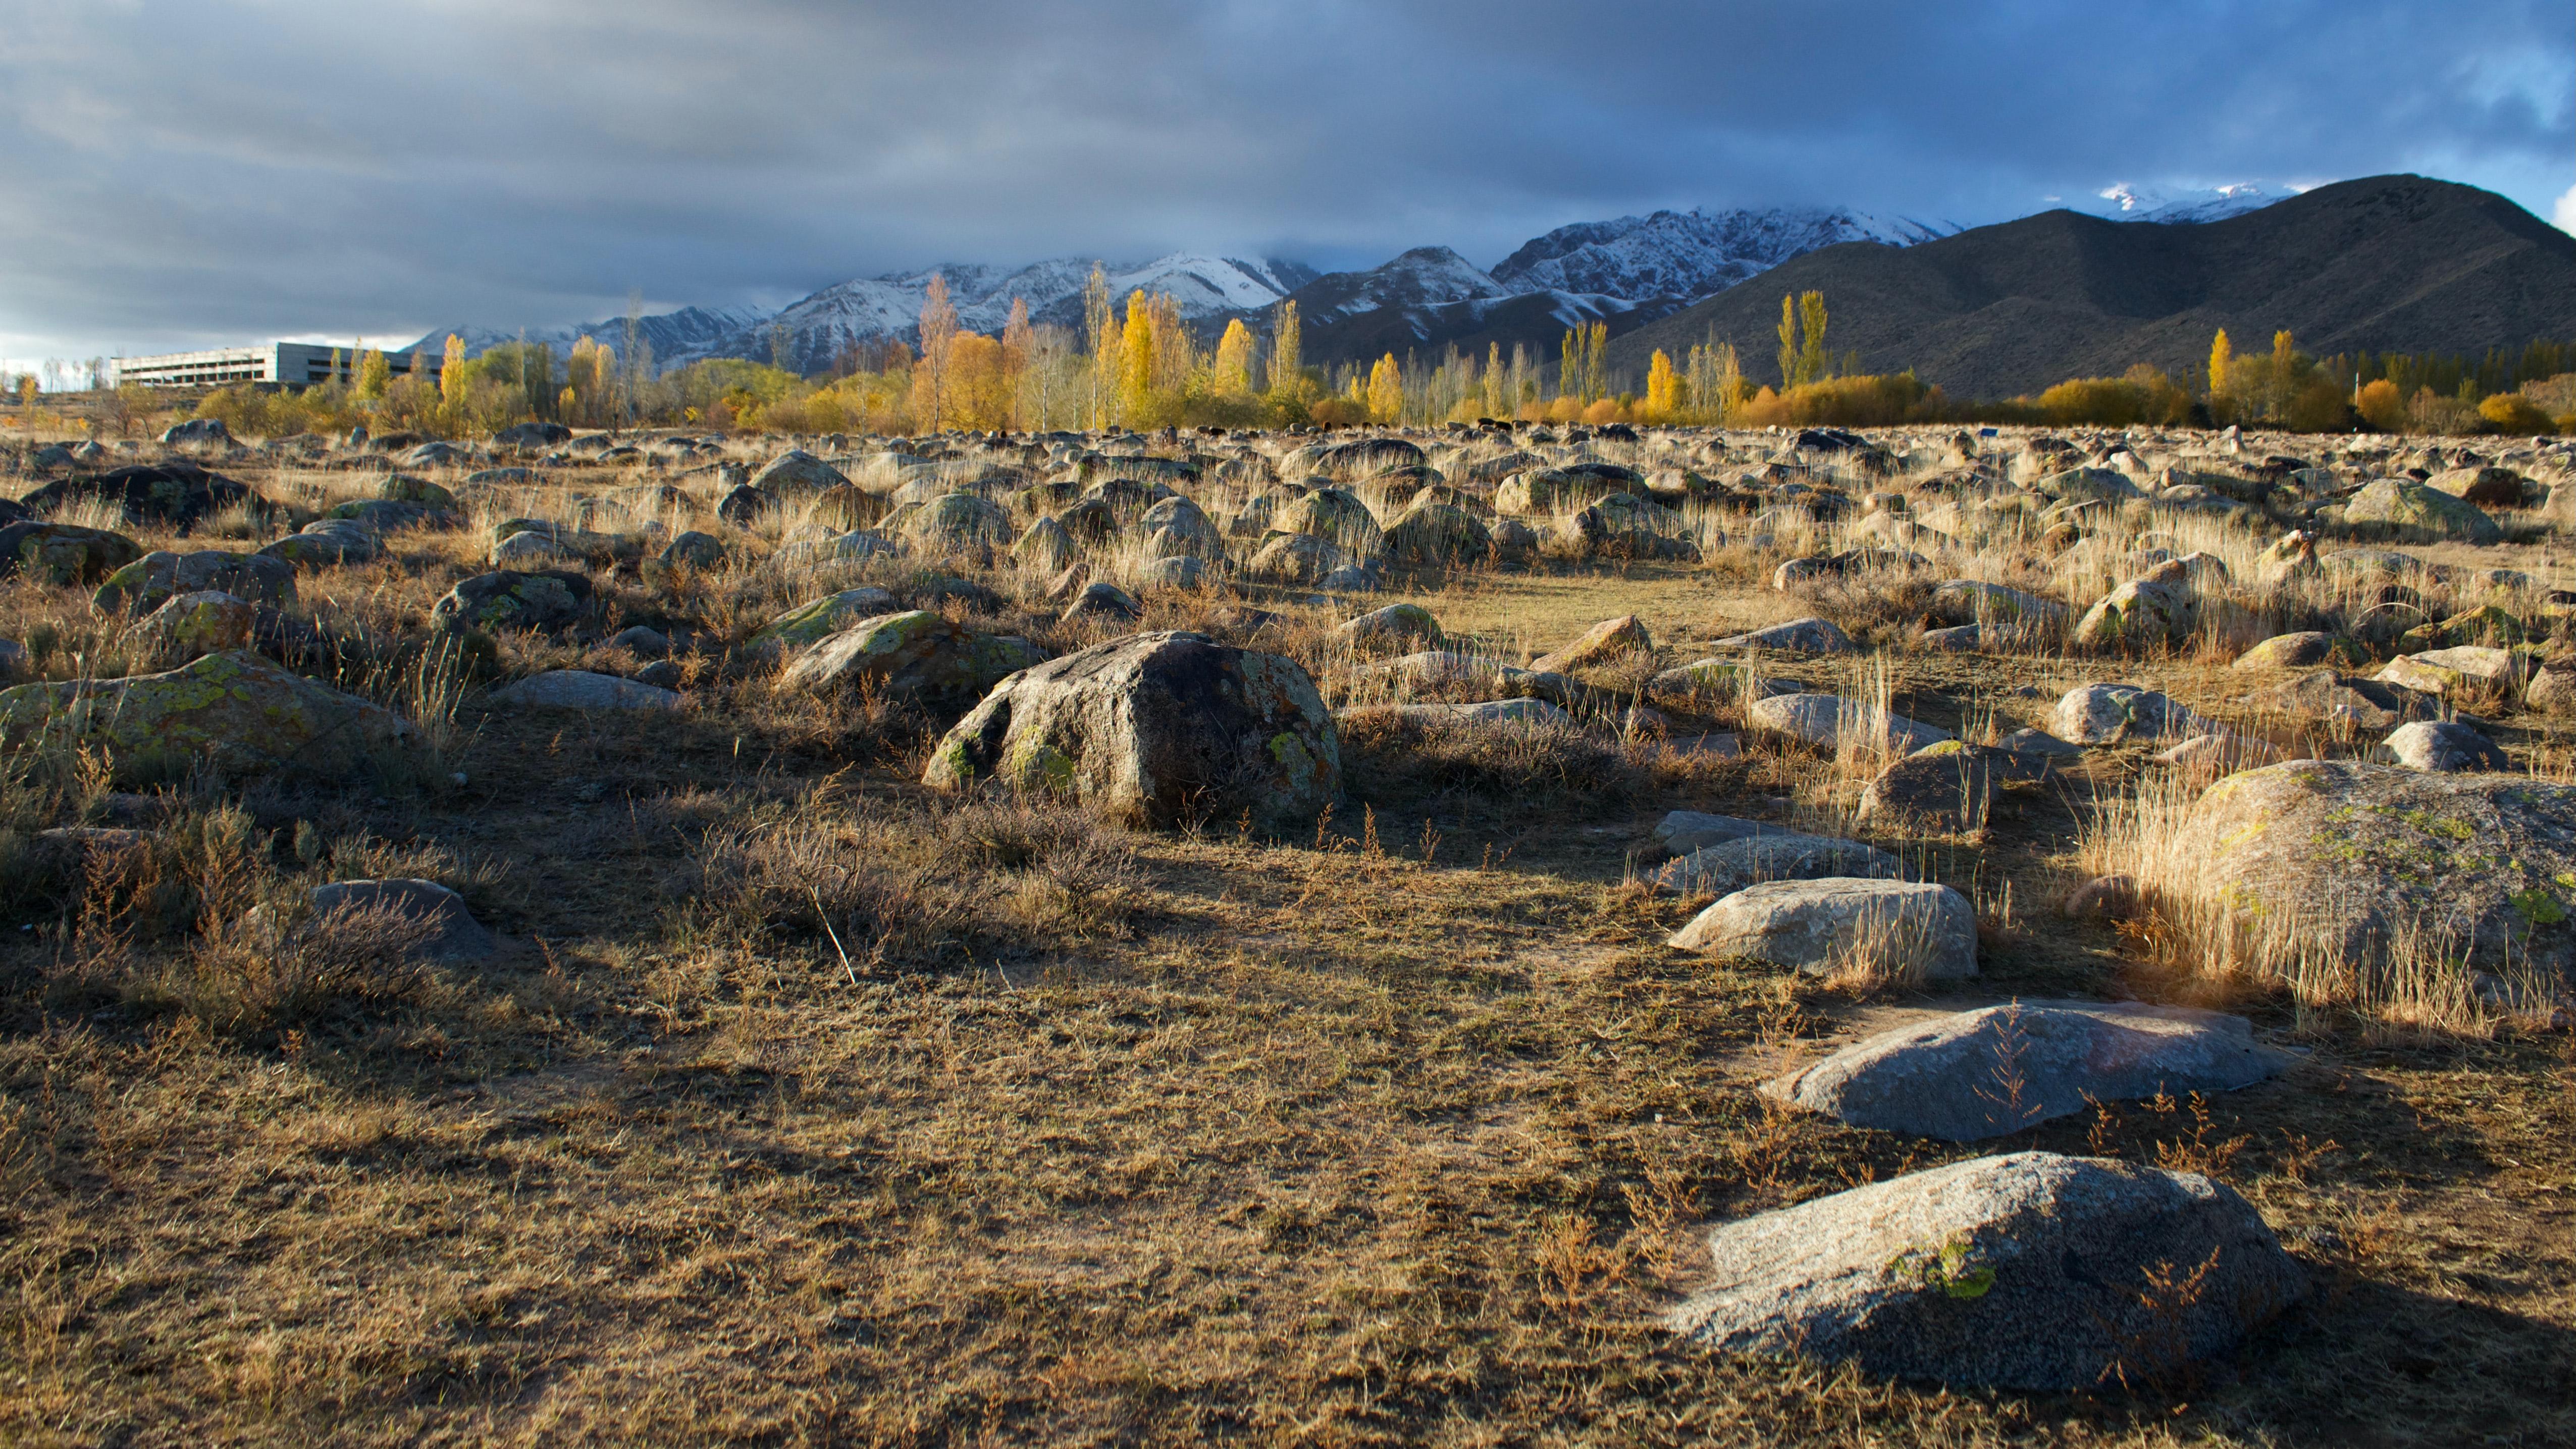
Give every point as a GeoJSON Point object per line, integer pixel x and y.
{"type": "Point", "coordinates": [2354, 860]}
{"type": "Point", "coordinates": [1159, 729]}
{"type": "Point", "coordinates": [531, 548]}
{"type": "Point", "coordinates": [2143, 613]}
{"type": "Point", "coordinates": [2345, 701]}
{"type": "Point", "coordinates": [234, 710]}
{"type": "Point", "coordinates": [1798, 636]}
{"type": "Point", "coordinates": [2027, 1271]}
{"type": "Point", "coordinates": [584, 690]}
{"type": "Point", "coordinates": [819, 555]}
{"type": "Point", "coordinates": [1104, 601]}
{"type": "Point", "coordinates": [64, 553]}
{"type": "Point", "coordinates": [2406, 510]}
{"type": "Point", "coordinates": [152, 580]}
{"type": "Point", "coordinates": [188, 625]}
{"type": "Point", "coordinates": [1704, 684]}
{"type": "Point", "coordinates": [506, 599]}
{"type": "Point", "coordinates": [1610, 642]}
{"type": "Point", "coordinates": [810, 623]}
{"type": "Point", "coordinates": [914, 657]}
{"type": "Point", "coordinates": [1813, 926]}
{"type": "Point", "coordinates": [2551, 691]}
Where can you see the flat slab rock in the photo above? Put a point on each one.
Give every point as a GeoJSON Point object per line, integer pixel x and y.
{"type": "Point", "coordinates": [1683, 831]}
{"type": "Point", "coordinates": [2029, 1271]}
{"type": "Point", "coordinates": [1994, 1071]}
{"type": "Point", "coordinates": [1819, 719]}
{"type": "Point", "coordinates": [1483, 712]}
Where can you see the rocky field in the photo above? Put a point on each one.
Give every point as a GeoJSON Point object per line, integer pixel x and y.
{"type": "Point", "coordinates": [1484, 936]}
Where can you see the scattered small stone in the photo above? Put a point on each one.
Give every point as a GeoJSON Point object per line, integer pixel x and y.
{"type": "Point", "coordinates": [583, 690]}
{"type": "Point", "coordinates": [2105, 898]}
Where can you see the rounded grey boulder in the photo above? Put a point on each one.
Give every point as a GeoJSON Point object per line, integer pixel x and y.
{"type": "Point", "coordinates": [1815, 925]}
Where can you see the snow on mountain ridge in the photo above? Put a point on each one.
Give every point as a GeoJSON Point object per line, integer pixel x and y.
{"type": "Point", "coordinates": [2124, 202]}
{"type": "Point", "coordinates": [1692, 254]}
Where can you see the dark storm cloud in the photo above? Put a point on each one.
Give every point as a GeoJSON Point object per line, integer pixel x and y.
{"type": "Point", "coordinates": [174, 173]}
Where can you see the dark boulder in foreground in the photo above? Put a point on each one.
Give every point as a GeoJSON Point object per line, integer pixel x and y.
{"type": "Point", "coordinates": [176, 495]}
{"type": "Point", "coordinates": [2032, 1271]}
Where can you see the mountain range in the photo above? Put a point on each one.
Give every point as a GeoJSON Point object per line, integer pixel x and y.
{"type": "Point", "coordinates": [1627, 273]}
{"type": "Point", "coordinates": [2387, 263]}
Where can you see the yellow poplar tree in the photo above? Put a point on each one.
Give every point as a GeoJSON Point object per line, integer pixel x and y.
{"type": "Point", "coordinates": [1813, 361]}
{"type": "Point", "coordinates": [1788, 340]}
{"type": "Point", "coordinates": [1136, 362]}
{"type": "Point", "coordinates": [1386, 391]}
{"type": "Point", "coordinates": [2221, 357]}
{"type": "Point", "coordinates": [1286, 343]}
{"type": "Point", "coordinates": [375, 374]}
{"type": "Point", "coordinates": [1100, 325]}
{"type": "Point", "coordinates": [451, 374]}
{"type": "Point", "coordinates": [930, 401]}
{"type": "Point", "coordinates": [1234, 360]}
{"type": "Point", "coordinates": [1663, 388]}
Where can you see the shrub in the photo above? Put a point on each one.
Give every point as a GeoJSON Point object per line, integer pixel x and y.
{"type": "Point", "coordinates": [2511, 412]}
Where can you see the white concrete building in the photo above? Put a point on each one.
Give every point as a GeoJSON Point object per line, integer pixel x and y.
{"type": "Point", "coordinates": [295, 364]}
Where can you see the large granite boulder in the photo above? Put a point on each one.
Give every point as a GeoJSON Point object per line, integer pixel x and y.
{"type": "Point", "coordinates": [2362, 862]}
{"type": "Point", "coordinates": [2403, 509]}
{"type": "Point", "coordinates": [1158, 729]}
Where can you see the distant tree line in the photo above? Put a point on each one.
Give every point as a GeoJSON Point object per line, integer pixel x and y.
{"type": "Point", "coordinates": [1137, 363]}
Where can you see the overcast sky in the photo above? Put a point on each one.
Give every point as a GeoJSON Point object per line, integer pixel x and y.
{"type": "Point", "coordinates": [205, 172]}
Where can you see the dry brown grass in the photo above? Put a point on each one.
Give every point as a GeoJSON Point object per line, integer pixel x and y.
{"type": "Point", "coordinates": [810, 1108]}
